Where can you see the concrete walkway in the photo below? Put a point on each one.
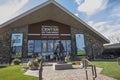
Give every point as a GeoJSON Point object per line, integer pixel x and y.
{"type": "Point", "coordinates": [70, 74]}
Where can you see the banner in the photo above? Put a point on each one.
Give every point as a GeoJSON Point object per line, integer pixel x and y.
{"type": "Point", "coordinates": [80, 44]}
{"type": "Point", "coordinates": [16, 45]}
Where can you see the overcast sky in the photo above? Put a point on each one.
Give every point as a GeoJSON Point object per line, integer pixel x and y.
{"type": "Point", "coordinates": [102, 15]}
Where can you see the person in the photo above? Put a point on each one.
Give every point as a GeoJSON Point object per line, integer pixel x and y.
{"type": "Point", "coordinates": [59, 50]}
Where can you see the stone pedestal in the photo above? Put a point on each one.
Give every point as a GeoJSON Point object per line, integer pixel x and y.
{"type": "Point", "coordinates": [62, 66]}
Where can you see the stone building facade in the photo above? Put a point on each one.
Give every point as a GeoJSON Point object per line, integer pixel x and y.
{"type": "Point", "coordinates": [93, 40]}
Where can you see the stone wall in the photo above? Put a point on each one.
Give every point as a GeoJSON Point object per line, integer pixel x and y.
{"type": "Point", "coordinates": [94, 47]}
{"type": "Point", "coordinates": [5, 41]}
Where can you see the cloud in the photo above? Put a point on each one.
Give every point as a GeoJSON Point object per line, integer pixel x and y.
{"type": "Point", "coordinates": [9, 9]}
{"type": "Point", "coordinates": [91, 6]}
{"type": "Point", "coordinates": [115, 15]}
{"type": "Point", "coordinates": [115, 12]}
{"type": "Point", "coordinates": [77, 14]}
{"type": "Point", "coordinates": [96, 24]}
{"type": "Point", "coordinates": [105, 28]}
{"type": "Point", "coordinates": [79, 1]}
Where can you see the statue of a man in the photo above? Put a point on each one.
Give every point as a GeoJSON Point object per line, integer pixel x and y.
{"type": "Point", "coordinates": [60, 51]}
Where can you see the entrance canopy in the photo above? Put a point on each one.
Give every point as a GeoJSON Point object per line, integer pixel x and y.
{"type": "Point", "coordinates": [51, 10]}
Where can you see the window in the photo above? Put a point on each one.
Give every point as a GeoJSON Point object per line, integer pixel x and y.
{"type": "Point", "coordinates": [37, 47]}
{"type": "Point", "coordinates": [47, 47]}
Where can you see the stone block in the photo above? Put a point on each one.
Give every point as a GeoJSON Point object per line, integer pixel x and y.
{"type": "Point", "coordinates": [62, 66]}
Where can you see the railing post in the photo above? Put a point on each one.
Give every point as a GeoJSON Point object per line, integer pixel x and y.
{"type": "Point", "coordinates": [118, 60]}
{"type": "Point", "coordinates": [93, 72]}
{"type": "Point", "coordinates": [86, 64]}
{"type": "Point", "coordinates": [86, 69]}
{"type": "Point", "coordinates": [40, 70]}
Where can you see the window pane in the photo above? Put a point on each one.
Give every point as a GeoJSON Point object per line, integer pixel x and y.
{"type": "Point", "coordinates": [50, 45]}
{"type": "Point", "coordinates": [68, 46]}
{"type": "Point", "coordinates": [44, 45]}
{"type": "Point", "coordinates": [55, 44]}
{"type": "Point", "coordinates": [30, 46]}
{"type": "Point", "coordinates": [37, 46]}
{"type": "Point", "coordinates": [64, 44]}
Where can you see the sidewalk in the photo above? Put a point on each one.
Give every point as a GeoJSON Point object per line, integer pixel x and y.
{"type": "Point", "coordinates": [70, 74]}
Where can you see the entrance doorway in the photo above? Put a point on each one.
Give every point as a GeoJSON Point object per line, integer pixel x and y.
{"type": "Point", "coordinates": [46, 48]}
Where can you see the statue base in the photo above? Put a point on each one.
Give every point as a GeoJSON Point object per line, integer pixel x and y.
{"type": "Point", "coordinates": [62, 66]}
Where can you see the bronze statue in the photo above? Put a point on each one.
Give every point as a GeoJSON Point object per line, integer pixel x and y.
{"type": "Point", "coordinates": [60, 51]}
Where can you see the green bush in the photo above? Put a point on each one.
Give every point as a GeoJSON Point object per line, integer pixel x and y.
{"type": "Point", "coordinates": [33, 64]}
{"type": "Point", "coordinates": [16, 61]}
{"type": "Point", "coordinates": [67, 58]}
{"type": "Point", "coordinates": [39, 58]}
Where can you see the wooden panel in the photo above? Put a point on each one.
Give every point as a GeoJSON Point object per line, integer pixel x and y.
{"type": "Point", "coordinates": [52, 30]}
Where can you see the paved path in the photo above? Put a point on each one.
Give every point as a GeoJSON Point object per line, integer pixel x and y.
{"type": "Point", "coordinates": [70, 74]}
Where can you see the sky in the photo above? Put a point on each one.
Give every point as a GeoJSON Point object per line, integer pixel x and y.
{"type": "Point", "coordinates": [102, 15]}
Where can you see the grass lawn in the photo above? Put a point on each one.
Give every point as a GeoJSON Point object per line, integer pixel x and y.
{"type": "Point", "coordinates": [81, 52]}
{"type": "Point", "coordinates": [14, 73]}
{"type": "Point", "coordinates": [110, 68]}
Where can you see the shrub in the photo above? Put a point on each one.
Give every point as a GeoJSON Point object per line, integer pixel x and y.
{"type": "Point", "coordinates": [39, 58]}
{"type": "Point", "coordinates": [67, 58]}
{"type": "Point", "coordinates": [33, 64]}
{"type": "Point", "coordinates": [16, 61]}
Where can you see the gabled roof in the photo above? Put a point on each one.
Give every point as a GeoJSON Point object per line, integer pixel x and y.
{"type": "Point", "coordinates": [115, 45]}
{"type": "Point", "coordinates": [51, 10]}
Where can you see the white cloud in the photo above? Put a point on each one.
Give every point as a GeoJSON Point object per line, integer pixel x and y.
{"type": "Point", "coordinates": [77, 14]}
{"type": "Point", "coordinates": [115, 15]}
{"type": "Point", "coordinates": [79, 1]}
{"type": "Point", "coordinates": [105, 29]}
{"type": "Point", "coordinates": [115, 12]}
{"type": "Point", "coordinates": [91, 6]}
{"type": "Point", "coordinates": [9, 9]}
{"type": "Point", "coordinates": [96, 24]}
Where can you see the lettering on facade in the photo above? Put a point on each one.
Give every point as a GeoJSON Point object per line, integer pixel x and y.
{"type": "Point", "coordinates": [49, 31]}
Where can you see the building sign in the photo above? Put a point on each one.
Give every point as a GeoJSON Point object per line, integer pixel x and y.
{"type": "Point", "coordinates": [49, 31]}
{"type": "Point", "coordinates": [16, 45]}
{"type": "Point", "coordinates": [80, 44]}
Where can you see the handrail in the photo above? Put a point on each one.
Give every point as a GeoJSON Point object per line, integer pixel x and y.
{"type": "Point", "coordinates": [40, 70]}
{"type": "Point", "coordinates": [118, 60]}
{"type": "Point", "coordinates": [86, 64]}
